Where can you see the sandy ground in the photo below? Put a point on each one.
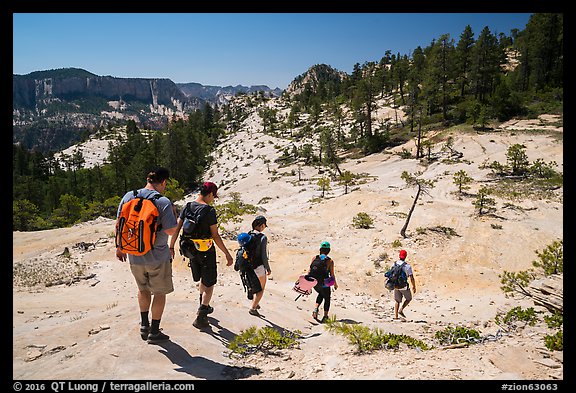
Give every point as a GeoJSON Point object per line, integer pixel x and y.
{"type": "Point", "coordinates": [88, 328]}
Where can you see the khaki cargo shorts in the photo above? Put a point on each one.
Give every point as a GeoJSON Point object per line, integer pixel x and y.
{"type": "Point", "coordinates": [156, 279]}
{"type": "Point", "coordinates": [405, 292]}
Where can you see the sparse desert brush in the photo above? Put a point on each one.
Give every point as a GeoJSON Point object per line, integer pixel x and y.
{"type": "Point", "coordinates": [367, 340]}
{"type": "Point", "coordinates": [111, 306]}
{"type": "Point", "coordinates": [265, 340]}
{"type": "Point", "coordinates": [517, 314]}
{"type": "Point", "coordinates": [457, 335]}
{"type": "Point", "coordinates": [362, 221]}
{"type": "Point", "coordinates": [555, 342]}
{"type": "Point", "coordinates": [45, 271]}
{"type": "Point", "coordinates": [77, 317]}
{"type": "Point", "coordinates": [396, 243]}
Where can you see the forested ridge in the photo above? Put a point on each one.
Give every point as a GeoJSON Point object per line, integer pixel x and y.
{"type": "Point", "coordinates": [476, 82]}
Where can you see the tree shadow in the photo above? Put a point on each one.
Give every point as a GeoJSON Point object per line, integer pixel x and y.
{"type": "Point", "coordinates": [200, 367]}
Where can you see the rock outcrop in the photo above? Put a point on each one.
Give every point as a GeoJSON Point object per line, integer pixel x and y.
{"type": "Point", "coordinates": [548, 292]}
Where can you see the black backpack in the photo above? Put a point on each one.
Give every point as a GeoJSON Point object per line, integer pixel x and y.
{"type": "Point", "coordinates": [240, 263]}
{"type": "Point", "coordinates": [319, 268]}
{"type": "Point", "coordinates": [248, 256]}
{"type": "Point", "coordinates": [396, 277]}
{"type": "Point", "coordinates": [192, 228]}
{"type": "Point", "coordinates": [191, 223]}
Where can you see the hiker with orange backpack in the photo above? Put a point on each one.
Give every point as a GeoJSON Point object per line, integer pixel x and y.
{"type": "Point", "coordinates": [145, 219]}
{"type": "Point", "coordinates": [322, 269]}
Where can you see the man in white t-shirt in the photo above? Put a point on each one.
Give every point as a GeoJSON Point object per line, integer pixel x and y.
{"type": "Point", "coordinates": [404, 292]}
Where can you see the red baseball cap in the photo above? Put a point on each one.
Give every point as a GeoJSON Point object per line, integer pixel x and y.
{"type": "Point", "coordinates": [211, 187]}
{"type": "Point", "coordinates": [403, 254]}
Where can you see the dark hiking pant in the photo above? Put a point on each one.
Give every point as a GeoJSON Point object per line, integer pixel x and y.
{"type": "Point", "coordinates": [323, 295]}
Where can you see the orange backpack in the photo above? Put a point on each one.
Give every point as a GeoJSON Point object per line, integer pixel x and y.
{"type": "Point", "coordinates": [137, 225]}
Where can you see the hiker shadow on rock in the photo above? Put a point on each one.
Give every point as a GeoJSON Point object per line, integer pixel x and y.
{"type": "Point", "coordinates": [201, 367]}
{"type": "Point", "coordinates": [348, 321]}
{"type": "Point", "coordinates": [195, 366]}
{"type": "Point", "coordinates": [276, 327]}
{"type": "Point", "coordinates": [223, 335]}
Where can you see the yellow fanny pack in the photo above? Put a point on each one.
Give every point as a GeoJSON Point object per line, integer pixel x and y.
{"type": "Point", "coordinates": [203, 244]}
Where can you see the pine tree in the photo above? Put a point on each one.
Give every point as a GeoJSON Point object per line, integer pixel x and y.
{"type": "Point", "coordinates": [461, 179]}
{"type": "Point", "coordinates": [541, 52]}
{"type": "Point", "coordinates": [463, 59]}
{"type": "Point", "coordinates": [485, 65]}
{"type": "Point", "coordinates": [483, 202]}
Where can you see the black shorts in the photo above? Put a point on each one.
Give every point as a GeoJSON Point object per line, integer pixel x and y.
{"type": "Point", "coordinates": [203, 267]}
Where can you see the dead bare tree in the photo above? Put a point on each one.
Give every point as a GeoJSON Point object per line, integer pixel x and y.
{"type": "Point", "coordinates": [423, 186]}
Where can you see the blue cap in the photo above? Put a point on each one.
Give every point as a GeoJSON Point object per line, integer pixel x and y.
{"type": "Point", "coordinates": [244, 238]}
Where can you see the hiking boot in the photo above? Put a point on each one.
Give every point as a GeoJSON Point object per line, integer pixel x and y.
{"type": "Point", "coordinates": [324, 319]}
{"type": "Point", "coordinates": [201, 321]}
{"type": "Point", "coordinates": [254, 312]}
{"type": "Point", "coordinates": [144, 331]}
{"type": "Point", "coordinates": [206, 309]}
{"type": "Point", "coordinates": [157, 337]}
{"type": "Point", "coordinates": [402, 314]}
{"type": "Point", "coordinates": [315, 314]}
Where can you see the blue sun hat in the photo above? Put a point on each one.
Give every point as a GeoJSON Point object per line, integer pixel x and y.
{"type": "Point", "coordinates": [244, 238]}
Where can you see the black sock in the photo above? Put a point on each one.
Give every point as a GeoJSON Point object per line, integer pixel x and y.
{"type": "Point", "coordinates": [144, 318]}
{"type": "Point", "coordinates": [155, 328]}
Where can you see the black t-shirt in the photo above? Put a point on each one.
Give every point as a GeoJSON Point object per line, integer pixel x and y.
{"type": "Point", "coordinates": [205, 214]}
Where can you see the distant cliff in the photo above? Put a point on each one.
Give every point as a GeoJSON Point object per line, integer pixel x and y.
{"type": "Point", "coordinates": [54, 109]}
{"type": "Point", "coordinates": [71, 83]}
{"type": "Point", "coordinates": [28, 92]}
{"type": "Point", "coordinates": [221, 95]}
{"type": "Point", "coordinates": [51, 108]}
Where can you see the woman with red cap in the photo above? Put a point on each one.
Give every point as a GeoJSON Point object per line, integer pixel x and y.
{"type": "Point", "coordinates": [404, 292]}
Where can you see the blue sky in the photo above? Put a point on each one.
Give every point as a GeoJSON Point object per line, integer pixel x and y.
{"type": "Point", "coordinates": [230, 49]}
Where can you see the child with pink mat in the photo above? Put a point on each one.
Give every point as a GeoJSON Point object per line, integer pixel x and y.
{"type": "Point", "coordinates": [322, 269]}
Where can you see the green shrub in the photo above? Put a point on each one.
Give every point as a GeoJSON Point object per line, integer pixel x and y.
{"type": "Point", "coordinates": [516, 282]}
{"type": "Point", "coordinates": [551, 258]}
{"type": "Point", "coordinates": [554, 321]}
{"type": "Point", "coordinates": [517, 314]}
{"type": "Point", "coordinates": [362, 221]}
{"type": "Point", "coordinates": [456, 335]}
{"type": "Point", "coordinates": [405, 153]}
{"type": "Point", "coordinates": [265, 339]}
{"type": "Point", "coordinates": [555, 342]}
{"type": "Point", "coordinates": [366, 339]}
{"type": "Point", "coordinates": [234, 210]}
{"type": "Point", "coordinates": [396, 243]}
